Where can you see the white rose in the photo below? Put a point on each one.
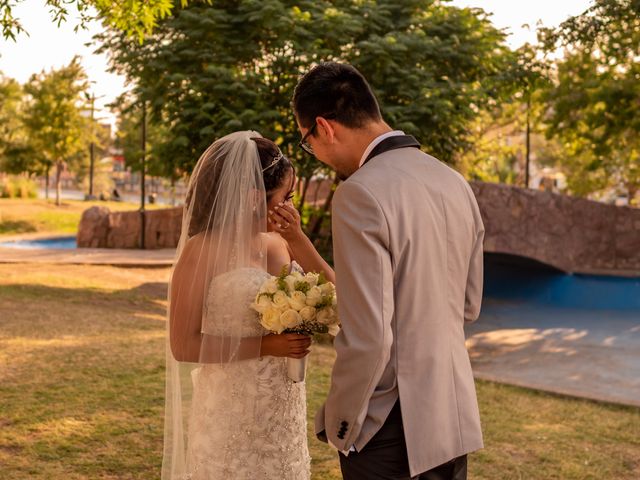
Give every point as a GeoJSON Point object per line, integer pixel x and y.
{"type": "Point", "coordinates": [298, 301]}
{"type": "Point", "coordinates": [328, 288]}
{"type": "Point", "coordinates": [262, 304]}
{"type": "Point", "coordinates": [290, 319]}
{"type": "Point", "coordinates": [290, 280]}
{"type": "Point", "coordinates": [271, 320]}
{"type": "Point", "coordinates": [314, 296]}
{"type": "Point", "coordinates": [270, 286]}
{"type": "Point", "coordinates": [311, 279]}
{"type": "Point", "coordinates": [334, 330]}
{"type": "Point", "coordinates": [308, 313]}
{"type": "Point", "coordinates": [335, 320]}
{"type": "Point", "coordinates": [281, 300]}
{"type": "Point", "coordinates": [324, 317]}
{"type": "Point", "coordinates": [297, 276]}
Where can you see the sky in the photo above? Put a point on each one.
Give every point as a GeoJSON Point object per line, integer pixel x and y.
{"type": "Point", "coordinates": [49, 46]}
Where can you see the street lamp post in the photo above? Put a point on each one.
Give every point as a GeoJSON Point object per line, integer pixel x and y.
{"type": "Point", "coordinates": [142, 174]}
{"type": "Point", "coordinates": [527, 143]}
{"type": "Point", "coordinates": [91, 148]}
{"type": "Point", "coordinates": [92, 99]}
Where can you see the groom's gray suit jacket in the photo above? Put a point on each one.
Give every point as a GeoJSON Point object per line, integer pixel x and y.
{"type": "Point", "coordinates": [407, 239]}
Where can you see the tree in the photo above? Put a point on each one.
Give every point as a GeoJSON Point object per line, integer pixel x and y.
{"type": "Point", "coordinates": [57, 130]}
{"type": "Point", "coordinates": [129, 141]}
{"type": "Point", "coordinates": [503, 134]}
{"type": "Point", "coordinates": [432, 66]}
{"type": "Point", "coordinates": [15, 151]}
{"type": "Point", "coordinates": [594, 106]}
{"type": "Point", "coordinates": [135, 17]}
{"type": "Point", "coordinates": [208, 70]}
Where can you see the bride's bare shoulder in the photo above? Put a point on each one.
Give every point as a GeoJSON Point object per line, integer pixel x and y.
{"type": "Point", "coordinates": [275, 243]}
{"type": "Point", "coordinates": [277, 253]}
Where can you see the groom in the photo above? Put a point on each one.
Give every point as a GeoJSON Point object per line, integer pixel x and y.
{"type": "Point", "coordinates": [407, 239]}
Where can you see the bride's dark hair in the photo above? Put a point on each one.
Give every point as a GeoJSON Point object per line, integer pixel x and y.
{"type": "Point", "coordinates": [208, 179]}
{"type": "Point", "coordinates": [272, 174]}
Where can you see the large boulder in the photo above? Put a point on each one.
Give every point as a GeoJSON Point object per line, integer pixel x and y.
{"type": "Point", "coordinates": [93, 228]}
{"type": "Point", "coordinates": [101, 228]}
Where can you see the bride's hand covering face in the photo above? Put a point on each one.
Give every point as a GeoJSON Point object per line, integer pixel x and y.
{"type": "Point", "coordinates": [285, 219]}
{"type": "Point", "coordinates": [279, 176]}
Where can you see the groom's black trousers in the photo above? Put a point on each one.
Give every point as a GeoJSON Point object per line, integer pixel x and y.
{"type": "Point", "coordinates": [385, 457]}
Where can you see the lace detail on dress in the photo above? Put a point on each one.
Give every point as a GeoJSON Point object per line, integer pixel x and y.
{"type": "Point", "coordinates": [248, 419]}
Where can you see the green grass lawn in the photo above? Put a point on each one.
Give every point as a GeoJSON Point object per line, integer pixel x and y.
{"type": "Point", "coordinates": [19, 216]}
{"type": "Point", "coordinates": [81, 391]}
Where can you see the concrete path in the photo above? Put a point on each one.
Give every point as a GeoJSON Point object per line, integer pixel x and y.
{"type": "Point", "coordinates": [90, 256]}
{"type": "Point", "coordinates": [586, 353]}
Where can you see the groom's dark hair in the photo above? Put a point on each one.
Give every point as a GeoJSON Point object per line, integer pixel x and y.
{"type": "Point", "coordinates": [337, 91]}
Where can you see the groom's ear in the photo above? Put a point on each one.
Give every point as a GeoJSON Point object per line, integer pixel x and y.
{"type": "Point", "coordinates": [326, 128]}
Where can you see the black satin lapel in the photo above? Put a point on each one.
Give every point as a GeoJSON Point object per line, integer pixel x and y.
{"type": "Point", "coordinates": [393, 143]}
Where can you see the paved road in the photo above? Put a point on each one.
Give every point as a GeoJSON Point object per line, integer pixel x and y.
{"type": "Point", "coordinates": [586, 353]}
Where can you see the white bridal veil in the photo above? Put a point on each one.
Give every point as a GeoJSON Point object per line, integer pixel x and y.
{"type": "Point", "coordinates": [223, 223]}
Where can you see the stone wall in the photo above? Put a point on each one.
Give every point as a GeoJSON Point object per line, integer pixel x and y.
{"type": "Point", "coordinates": [571, 234]}
{"type": "Point", "coordinates": [101, 228]}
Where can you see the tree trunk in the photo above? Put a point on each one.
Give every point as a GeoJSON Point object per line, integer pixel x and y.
{"type": "Point", "coordinates": [325, 208]}
{"type": "Point", "coordinates": [527, 143]}
{"type": "Point", "coordinates": [58, 183]}
{"type": "Point", "coordinates": [173, 191]}
{"type": "Point", "coordinates": [632, 192]}
{"type": "Point", "coordinates": [303, 196]}
{"type": "Point", "coordinates": [46, 183]}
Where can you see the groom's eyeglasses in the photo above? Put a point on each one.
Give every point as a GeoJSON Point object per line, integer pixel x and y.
{"type": "Point", "coordinates": [304, 144]}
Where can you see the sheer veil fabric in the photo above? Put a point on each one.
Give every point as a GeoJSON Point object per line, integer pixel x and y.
{"type": "Point", "coordinates": [223, 228]}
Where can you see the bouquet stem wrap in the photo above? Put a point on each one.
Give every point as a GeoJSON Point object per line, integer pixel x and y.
{"type": "Point", "coordinates": [297, 368]}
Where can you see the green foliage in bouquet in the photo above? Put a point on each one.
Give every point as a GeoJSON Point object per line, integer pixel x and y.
{"type": "Point", "coordinates": [282, 284]}
{"type": "Point", "coordinates": [303, 287]}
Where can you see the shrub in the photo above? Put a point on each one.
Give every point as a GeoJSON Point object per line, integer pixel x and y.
{"type": "Point", "coordinates": [18, 187]}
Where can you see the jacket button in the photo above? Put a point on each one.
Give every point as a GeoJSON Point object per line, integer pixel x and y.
{"type": "Point", "coordinates": [344, 423]}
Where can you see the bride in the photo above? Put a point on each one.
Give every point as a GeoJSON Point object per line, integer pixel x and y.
{"type": "Point", "coordinates": [231, 410]}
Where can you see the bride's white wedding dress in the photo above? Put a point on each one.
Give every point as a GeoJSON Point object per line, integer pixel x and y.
{"type": "Point", "coordinates": [248, 419]}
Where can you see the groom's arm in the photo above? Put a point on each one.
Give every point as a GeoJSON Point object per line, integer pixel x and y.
{"type": "Point", "coordinates": [475, 275]}
{"type": "Point", "coordinates": [365, 305]}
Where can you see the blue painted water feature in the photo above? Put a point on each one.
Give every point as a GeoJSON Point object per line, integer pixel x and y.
{"type": "Point", "coordinates": [522, 280]}
{"type": "Point", "coordinates": [57, 242]}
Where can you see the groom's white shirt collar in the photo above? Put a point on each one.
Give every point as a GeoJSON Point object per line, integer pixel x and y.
{"type": "Point", "coordinates": [376, 141]}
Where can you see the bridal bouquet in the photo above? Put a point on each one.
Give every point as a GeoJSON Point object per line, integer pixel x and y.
{"type": "Point", "coordinates": [297, 303]}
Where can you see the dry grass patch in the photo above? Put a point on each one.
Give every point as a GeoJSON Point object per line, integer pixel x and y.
{"type": "Point", "coordinates": [82, 391]}
{"type": "Point", "coordinates": [43, 216]}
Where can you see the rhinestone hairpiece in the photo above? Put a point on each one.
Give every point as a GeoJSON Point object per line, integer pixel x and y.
{"type": "Point", "coordinates": [276, 159]}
